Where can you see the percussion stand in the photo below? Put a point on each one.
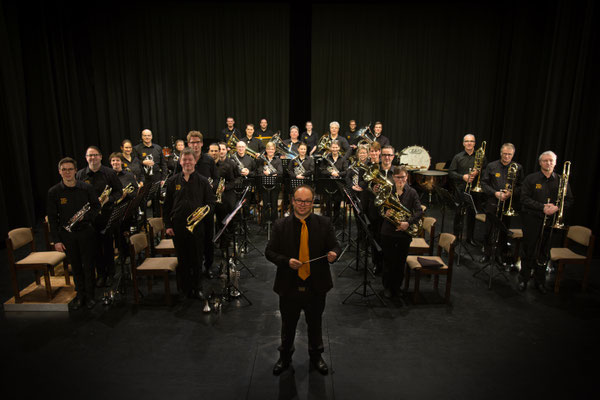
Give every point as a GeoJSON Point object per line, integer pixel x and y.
{"type": "Point", "coordinates": [466, 201]}
{"type": "Point", "coordinates": [365, 283]}
{"type": "Point", "coordinates": [230, 290]}
{"type": "Point", "coordinates": [497, 228]}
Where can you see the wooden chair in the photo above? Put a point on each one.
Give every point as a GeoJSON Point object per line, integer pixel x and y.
{"type": "Point", "coordinates": [419, 245]}
{"type": "Point", "coordinates": [38, 261]}
{"type": "Point", "coordinates": [164, 246]}
{"type": "Point", "coordinates": [446, 242]}
{"type": "Point", "coordinates": [440, 166]}
{"type": "Point", "coordinates": [151, 266]}
{"type": "Point", "coordinates": [564, 255]}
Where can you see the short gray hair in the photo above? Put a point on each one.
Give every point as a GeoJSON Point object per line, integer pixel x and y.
{"type": "Point", "coordinates": [547, 153]}
{"type": "Point", "coordinates": [334, 123]}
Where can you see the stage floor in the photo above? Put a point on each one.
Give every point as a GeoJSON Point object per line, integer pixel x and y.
{"type": "Point", "coordinates": [489, 344]}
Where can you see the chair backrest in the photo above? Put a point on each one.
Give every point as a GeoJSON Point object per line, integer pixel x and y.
{"type": "Point", "coordinates": [446, 241]}
{"type": "Point", "coordinates": [423, 207]}
{"type": "Point", "coordinates": [139, 241]}
{"type": "Point", "coordinates": [157, 225]}
{"type": "Point", "coordinates": [440, 165]}
{"type": "Point", "coordinates": [428, 222]}
{"type": "Point", "coordinates": [579, 234]}
{"type": "Point", "coordinates": [20, 237]}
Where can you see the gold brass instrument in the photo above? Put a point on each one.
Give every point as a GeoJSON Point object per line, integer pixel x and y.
{"type": "Point", "coordinates": [104, 196]}
{"type": "Point", "coordinates": [377, 182]}
{"type": "Point", "coordinates": [557, 221]}
{"type": "Point", "coordinates": [126, 191]}
{"type": "Point", "coordinates": [232, 143]}
{"type": "Point", "coordinates": [511, 177]}
{"type": "Point", "coordinates": [196, 217]}
{"type": "Point", "coordinates": [324, 145]}
{"type": "Point", "coordinates": [477, 166]}
{"type": "Point", "coordinates": [220, 190]}
{"type": "Point", "coordinates": [78, 216]}
{"type": "Point", "coordinates": [398, 213]}
{"type": "Point", "coordinates": [363, 135]}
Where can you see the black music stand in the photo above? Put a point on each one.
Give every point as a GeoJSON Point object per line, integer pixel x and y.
{"type": "Point", "coordinates": [495, 267]}
{"type": "Point", "coordinates": [447, 201]}
{"type": "Point", "coordinates": [466, 201]}
{"type": "Point", "coordinates": [268, 183]}
{"type": "Point", "coordinates": [365, 283]}
{"type": "Point", "coordinates": [356, 206]}
{"type": "Point", "coordinates": [242, 189]}
{"type": "Point", "coordinates": [328, 186]}
{"type": "Point", "coordinates": [231, 290]}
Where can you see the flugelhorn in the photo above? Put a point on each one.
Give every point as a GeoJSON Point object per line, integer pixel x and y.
{"type": "Point", "coordinates": [477, 166]}
{"type": "Point", "coordinates": [196, 217]}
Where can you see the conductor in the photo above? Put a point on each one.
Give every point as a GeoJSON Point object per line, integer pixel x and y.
{"type": "Point", "coordinates": [300, 284]}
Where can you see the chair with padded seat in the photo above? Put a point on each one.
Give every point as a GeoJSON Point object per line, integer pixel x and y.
{"type": "Point", "coordinates": [446, 242]}
{"type": "Point", "coordinates": [165, 247]}
{"type": "Point", "coordinates": [37, 261]}
{"type": "Point", "coordinates": [419, 245]}
{"type": "Point", "coordinates": [150, 266]}
{"type": "Point", "coordinates": [564, 255]}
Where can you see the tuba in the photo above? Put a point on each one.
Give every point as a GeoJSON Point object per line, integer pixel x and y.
{"type": "Point", "coordinates": [477, 166]}
{"type": "Point", "coordinates": [363, 135]}
{"type": "Point", "coordinates": [282, 148]}
{"type": "Point", "coordinates": [196, 216]}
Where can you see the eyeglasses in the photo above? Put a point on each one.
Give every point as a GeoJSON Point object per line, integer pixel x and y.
{"type": "Point", "coordinates": [303, 202]}
{"type": "Point", "coordinates": [400, 176]}
{"type": "Point", "coordinates": [507, 154]}
{"type": "Point", "coordinates": [195, 142]}
{"type": "Point", "coordinates": [469, 141]}
{"type": "Point", "coordinates": [92, 155]}
{"type": "Point", "coordinates": [387, 155]}
{"type": "Point", "coordinates": [67, 169]}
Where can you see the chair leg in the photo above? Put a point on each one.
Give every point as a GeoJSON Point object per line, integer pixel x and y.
{"type": "Point", "coordinates": [67, 276]}
{"type": "Point", "coordinates": [586, 274]}
{"type": "Point", "coordinates": [559, 273]}
{"type": "Point", "coordinates": [417, 281]}
{"type": "Point", "coordinates": [47, 284]}
{"type": "Point", "coordinates": [150, 283]}
{"type": "Point", "coordinates": [15, 284]}
{"type": "Point", "coordinates": [37, 277]}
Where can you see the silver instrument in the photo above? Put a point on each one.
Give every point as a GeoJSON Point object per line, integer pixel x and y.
{"type": "Point", "coordinates": [268, 167]}
{"type": "Point", "coordinates": [78, 216]}
{"type": "Point", "coordinates": [149, 169]}
{"type": "Point", "coordinates": [299, 169]}
{"type": "Point", "coordinates": [331, 168]}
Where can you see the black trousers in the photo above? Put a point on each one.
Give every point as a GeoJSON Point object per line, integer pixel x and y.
{"type": "Point", "coordinates": [104, 257]}
{"type": "Point", "coordinates": [502, 237]}
{"type": "Point", "coordinates": [80, 251]}
{"type": "Point", "coordinates": [290, 306]}
{"type": "Point", "coordinates": [331, 204]}
{"type": "Point", "coordinates": [375, 228]}
{"type": "Point", "coordinates": [222, 210]}
{"type": "Point", "coordinates": [532, 226]}
{"type": "Point", "coordinates": [189, 249]}
{"type": "Point", "coordinates": [209, 247]}
{"type": "Point", "coordinates": [395, 251]}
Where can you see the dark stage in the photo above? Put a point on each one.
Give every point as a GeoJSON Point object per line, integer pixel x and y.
{"type": "Point", "coordinates": [492, 344]}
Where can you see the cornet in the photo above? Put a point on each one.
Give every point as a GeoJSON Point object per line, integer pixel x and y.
{"type": "Point", "coordinates": [196, 217]}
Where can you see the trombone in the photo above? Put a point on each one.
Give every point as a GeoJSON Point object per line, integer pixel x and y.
{"type": "Point", "coordinates": [511, 178]}
{"type": "Point", "coordinates": [477, 166]}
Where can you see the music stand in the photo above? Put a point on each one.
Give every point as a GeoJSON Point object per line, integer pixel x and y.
{"type": "Point", "coordinates": [496, 228]}
{"type": "Point", "coordinates": [355, 203]}
{"type": "Point", "coordinates": [268, 183]}
{"type": "Point", "coordinates": [447, 201]}
{"type": "Point", "coordinates": [365, 283]}
{"type": "Point", "coordinates": [466, 201]}
{"type": "Point", "coordinates": [230, 287]}
{"type": "Point", "coordinates": [241, 189]}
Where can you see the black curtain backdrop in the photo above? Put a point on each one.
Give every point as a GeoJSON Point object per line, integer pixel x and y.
{"type": "Point", "coordinates": [76, 74]}
{"type": "Point", "coordinates": [519, 72]}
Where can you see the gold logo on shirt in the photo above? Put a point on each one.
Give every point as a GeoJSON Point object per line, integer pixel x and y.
{"type": "Point", "coordinates": [143, 154]}
{"type": "Point", "coordinates": [497, 174]}
{"type": "Point", "coordinates": [538, 185]}
{"type": "Point", "coordinates": [88, 181]}
{"type": "Point", "coordinates": [125, 165]}
{"type": "Point", "coordinates": [63, 200]}
{"type": "Point", "coordinates": [177, 187]}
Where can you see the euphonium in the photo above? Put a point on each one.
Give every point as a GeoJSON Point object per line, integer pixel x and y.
{"type": "Point", "coordinates": [377, 183]}
{"type": "Point", "coordinates": [331, 168]}
{"type": "Point", "coordinates": [557, 221]}
{"type": "Point", "coordinates": [299, 169]}
{"type": "Point", "coordinates": [268, 166]}
{"type": "Point", "coordinates": [477, 166]}
{"type": "Point", "coordinates": [78, 216]}
{"type": "Point", "coordinates": [220, 190]}
{"type": "Point", "coordinates": [232, 143]}
{"type": "Point", "coordinates": [196, 217]}
{"type": "Point", "coordinates": [511, 178]}
{"type": "Point", "coordinates": [387, 200]}
{"type": "Point", "coordinates": [126, 190]}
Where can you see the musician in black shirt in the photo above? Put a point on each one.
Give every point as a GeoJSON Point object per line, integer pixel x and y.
{"type": "Point", "coordinates": [229, 130]}
{"type": "Point", "coordinates": [186, 191]}
{"type": "Point", "coordinates": [252, 143]}
{"type": "Point", "coordinates": [395, 239]}
{"type": "Point", "coordinates": [66, 199]}
{"type": "Point", "coordinates": [539, 198]}
{"type": "Point", "coordinates": [293, 142]}
{"type": "Point", "coordinates": [310, 137]}
{"type": "Point", "coordinates": [461, 172]}
{"type": "Point", "coordinates": [379, 137]}
{"type": "Point", "coordinates": [263, 131]}
{"type": "Point", "coordinates": [269, 166]}
{"type": "Point", "coordinates": [151, 156]}
{"type": "Point", "coordinates": [227, 170]}
{"type": "Point", "coordinates": [102, 178]}
{"type": "Point", "coordinates": [350, 136]}
{"type": "Point", "coordinates": [333, 166]}
{"type": "Point", "coordinates": [130, 161]}
{"type": "Point", "coordinates": [494, 184]}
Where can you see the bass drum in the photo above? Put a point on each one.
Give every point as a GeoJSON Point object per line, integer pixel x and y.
{"type": "Point", "coordinates": [415, 158]}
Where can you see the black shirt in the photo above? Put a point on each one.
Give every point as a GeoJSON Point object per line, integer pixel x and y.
{"type": "Point", "coordinates": [154, 153]}
{"type": "Point", "coordinates": [184, 197]}
{"type": "Point", "coordinates": [226, 134]}
{"type": "Point", "coordinates": [266, 133]}
{"type": "Point", "coordinates": [99, 179]}
{"type": "Point", "coordinates": [254, 144]}
{"type": "Point", "coordinates": [344, 145]}
{"type": "Point", "coordinates": [228, 170]}
{"type": "Point", "coordinates": [410, 199]}
{"type": "Point", "coordinates": [292, 147]}
{"type": "Point", "coordinates": [460, 165]}
{"type": "Point", "coordinates": [308, 163]}
{"type": "Point", "coordinates": [64, 201]}
{"type": "Point", "coordinates": [493, 179]}
{"type": "Point", "coordinates": [537, 189]}
{"type": "Point", "coordinates": [341, 164]}
{"type": "Point", "coordinates": [310, 140]}
{"type": "Point", "coordinates": [261, 163]}
{"type": "Point", "coordinates": [382, 140]}
{"type": "Point", "coordinates": [134, 166]}
{"type": "Point", "coordinates": [126, 178]}
{"type": "Point", "coordinates": [247, 161]}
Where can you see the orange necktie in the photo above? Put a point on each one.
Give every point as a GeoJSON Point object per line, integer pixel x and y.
{"type": "Point", "coordinates": [304, 270]}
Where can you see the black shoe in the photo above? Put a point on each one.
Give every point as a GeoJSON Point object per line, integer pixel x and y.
{"type": "Point", "coordinates": [91, 303]}
{"type": "Point", "coordinates": [76, 303]}
{"type": "Point", "coordinates": [280, 366]}
{"type": "Point", "coordinates": [484, 259]}
{"type": "Point", "coordinates": [472, 242]}
{"type": "Point", "coordinates": [320, 365]}
{"type": "Point", "coordinates": [387, 293]}
{"type": "Point", "coordinates": [541, 287]}
{"type": "Point", "coordinates": [208, 273]}
{"type": "Point", "coordinates": [522, 286]}
{"type": "Point", "coordinates": [101, 282]}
